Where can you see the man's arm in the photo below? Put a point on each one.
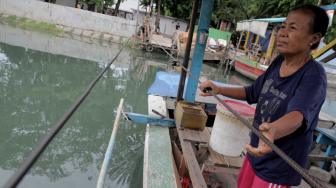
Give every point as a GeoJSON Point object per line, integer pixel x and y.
{"type": "Point", "coordinates": [282, 127]}
{"type": "Point", "coordinates": [232, 92]}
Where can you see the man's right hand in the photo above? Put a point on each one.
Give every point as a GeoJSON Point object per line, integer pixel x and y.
{"type": "Point", "coordinates": [208, 84]}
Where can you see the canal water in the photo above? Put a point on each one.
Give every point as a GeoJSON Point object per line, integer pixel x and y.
{"type": "Point", "coordinates": [40, 78]}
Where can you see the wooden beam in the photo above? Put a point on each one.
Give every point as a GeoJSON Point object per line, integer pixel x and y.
{"type": "Point", "coordinates": [327, 47]}
{"type": "Point", "coordinates": [158, 168]}
{"type": "Point", "coordinates": [194, 169]}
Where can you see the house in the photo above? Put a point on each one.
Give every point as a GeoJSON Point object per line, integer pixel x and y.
{"type": "Point", "coordinates": [167, 24]}
{"type": "Point", "coordinates": [69, 3]}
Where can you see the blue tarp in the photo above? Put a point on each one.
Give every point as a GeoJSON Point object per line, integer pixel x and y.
{"type": "Point", "coordinates": [165, 84]}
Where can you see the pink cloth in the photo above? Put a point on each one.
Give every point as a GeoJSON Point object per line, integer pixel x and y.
{"type": "Point", "coordinates": [248, 179]}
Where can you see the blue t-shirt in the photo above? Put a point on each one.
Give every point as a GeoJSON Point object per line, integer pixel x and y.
{"type": "Point", "coordinates": [303, 91]}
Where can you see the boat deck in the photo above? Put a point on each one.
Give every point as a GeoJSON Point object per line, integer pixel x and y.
{"type": "Point", "coordinates": [204, 164]}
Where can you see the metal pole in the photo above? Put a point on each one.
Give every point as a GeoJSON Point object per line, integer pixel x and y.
{"type": "Point", "coordinates": [109, 150]}
{"type": "Point", "coordinates": [187, 50]}
{"type": "Point", "coordinates": [201, 41]}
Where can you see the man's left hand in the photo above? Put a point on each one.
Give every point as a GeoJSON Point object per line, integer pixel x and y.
{"type": "Point", "coordinates": [269, 132]}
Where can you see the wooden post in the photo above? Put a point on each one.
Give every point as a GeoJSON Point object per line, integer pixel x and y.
{"type": "Point", "coordinates": [240, 39]}
{"type": "Point", "coordinates": [246, 39]}
{"type": "Point", "coordinates": [270, 47]}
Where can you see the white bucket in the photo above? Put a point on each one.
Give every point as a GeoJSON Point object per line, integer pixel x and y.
{"type": "Point", "coordinates": [229, 135]}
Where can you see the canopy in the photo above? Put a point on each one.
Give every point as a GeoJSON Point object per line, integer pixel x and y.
{"type": "Point", "coordinates": [257, 26]}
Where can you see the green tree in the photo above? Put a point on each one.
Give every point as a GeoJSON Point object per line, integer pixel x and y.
{"type": "Point", "coordinates": [158, 13]}
{"type": "Point", "coordinates": [116, 9]}
{"type": "Point", "coordinates": [331, 33]}
{"type": "Point", "coordinates": [245, 9]}
{"type": "Point", "coordinates": [98, 5]}
{"type": "Point", "coordinates": [173, 8]}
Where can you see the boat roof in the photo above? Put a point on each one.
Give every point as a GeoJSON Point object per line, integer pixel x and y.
{"type": "Point", "coordinates": [329, 7]}
{"type": "Point", "coordinates": [271, 20]}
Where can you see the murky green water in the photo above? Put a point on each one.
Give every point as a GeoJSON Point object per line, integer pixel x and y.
{"type": "Point", "coordinates": [36, 88]}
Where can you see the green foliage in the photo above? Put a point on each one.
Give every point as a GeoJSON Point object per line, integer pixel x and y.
{"type": "Point", "coordinates": [235, 11]}
{"type": "Point", "coordinates": [99, 4]}
{"type": "Point", "coordinates": [145, 3]}
{"type": "Point", "coordinates": [173, 8]}
{"type": "Point", "coordinates": [245, 9]}
{"type": "Point", "coordinates": [331, 33]}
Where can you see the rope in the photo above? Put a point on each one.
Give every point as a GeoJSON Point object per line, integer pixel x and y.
{"type": "Point", "coordinates": [34, 155]}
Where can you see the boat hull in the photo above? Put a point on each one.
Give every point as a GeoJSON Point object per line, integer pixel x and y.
{"type": "Point", "coordinates": [248, 70]}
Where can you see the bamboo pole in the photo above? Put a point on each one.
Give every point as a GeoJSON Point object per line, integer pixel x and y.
{"type": "Point", "coordinates": [109, 150]}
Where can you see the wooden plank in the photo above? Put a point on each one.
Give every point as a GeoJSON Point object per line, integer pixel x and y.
{"type": "Point", "coordinates": [224, 177]}
{"type": "Point", "coordinates": [319, 52]}
{"type": "Point", "coordinates": [194, 170]}
{"type": "Point", "coordinates": [170, 102]}
{"type": "Point", "coordinates": [221, 160]}
{"type": "Point", "coordinates": [224, 170]}
{"type": "Point", "coordinates": [201, 136]}
{"type": "Point", "coordinates": [158, 170]}
{"type": "Point", "coordinates": [326, 117]}
{"type": "Point", "coordinates": [157, 103]}
{"type": "Point", "coordinates": [160, 40]}
{"type": "Point", "coordinates": [178, 183]}
{"type": "Point", "coordinates": [158, 161]}
{"type": "Point", "coordinates": [179, 160]}
{"type": "Point", "coordinates": [186, 140]}
{"type": "Point", "coordinates": [330, 133]}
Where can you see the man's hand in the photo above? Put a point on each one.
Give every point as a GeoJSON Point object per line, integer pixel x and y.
{"type": "Point", "coordinates": [269, 132]}
{"type": "Point", "coordinates": [208, 84]}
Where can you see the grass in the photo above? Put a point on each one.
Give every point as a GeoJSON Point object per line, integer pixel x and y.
{"type": "Point", "coordinates": [29, 24]}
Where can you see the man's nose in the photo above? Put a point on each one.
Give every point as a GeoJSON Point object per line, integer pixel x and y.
{"type": "Point", "coordinates": [283, 32]}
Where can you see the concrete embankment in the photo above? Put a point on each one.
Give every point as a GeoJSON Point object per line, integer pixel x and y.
{"type": "Point", "coordinates": [71, 20]}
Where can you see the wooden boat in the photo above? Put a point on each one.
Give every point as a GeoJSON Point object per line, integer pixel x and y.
{"type": "Point", "coordinates": [257, 40]}
{"type": "Point", "coordinates": [180, 157]}
{"type": "Point", "coordinates": [327, 56]}
{"type": "Point", "coordinates": [185, 153]}
{"type": "Point", "coordinates": [252, 66]}
{"type": "Point", "coordinates": [249, 68]}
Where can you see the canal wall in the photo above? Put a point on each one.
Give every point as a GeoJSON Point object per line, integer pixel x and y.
{"type": "Point", "coordinates": [92, 50]}
{"type": "Point", "coordinates": [77, 21]}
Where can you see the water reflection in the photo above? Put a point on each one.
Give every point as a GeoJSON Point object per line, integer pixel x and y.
{"type": "Point", "coordinates": [36, 89]}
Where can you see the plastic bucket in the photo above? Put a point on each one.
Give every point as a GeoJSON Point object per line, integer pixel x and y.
{"type": "Point", "coordinates": [229, 135]}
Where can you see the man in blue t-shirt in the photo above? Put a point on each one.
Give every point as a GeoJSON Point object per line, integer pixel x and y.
{"type": "Point", "coordinates": [289, 97]}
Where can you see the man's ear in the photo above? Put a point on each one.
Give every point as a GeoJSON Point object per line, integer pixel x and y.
{"type": "Point", "coordinates": [316, 38]}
